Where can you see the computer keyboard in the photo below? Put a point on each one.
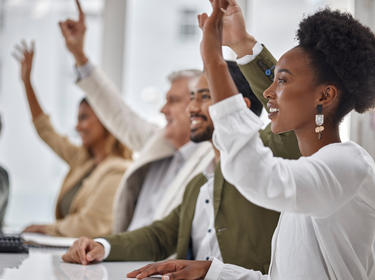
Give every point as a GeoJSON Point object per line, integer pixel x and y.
{"type": "Point", "coordinates": [12, 244]}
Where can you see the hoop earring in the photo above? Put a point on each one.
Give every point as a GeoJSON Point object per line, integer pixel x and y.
{"type": "Point", "coordinates": [319, 121]}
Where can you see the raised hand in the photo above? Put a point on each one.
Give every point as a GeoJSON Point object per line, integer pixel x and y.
{"type": "Point", "coordinates": [174, 270]}
{"type": "Point", "coordinates": [235, 35]}
{"type": "Point", "coordinates": [212, 27]}
{"type": "Point", "coordinates": [24, 54]}
{"type": "Point", "coordinates": [219, 79]}
{"type": "Point", "coordinates": [84, 251]}
{"type": "Point", "coordinates": [74, 34]}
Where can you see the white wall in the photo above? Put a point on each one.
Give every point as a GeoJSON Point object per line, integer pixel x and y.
{"type": "Point", "coordinates": [35, 172]}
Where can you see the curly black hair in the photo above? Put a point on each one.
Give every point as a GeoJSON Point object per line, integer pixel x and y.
{"type": "Point", "coordinates": [342, 52]}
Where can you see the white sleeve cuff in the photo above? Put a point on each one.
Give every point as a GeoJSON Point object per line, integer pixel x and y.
{"type": "Point", "coordinates": [215, 270]}
{"type": "Point", "coordinates": [257, 49]}
{"type": "Point", "coordinates": [106, 245]}
{"type": "Point", "coordinates": [84, 71]}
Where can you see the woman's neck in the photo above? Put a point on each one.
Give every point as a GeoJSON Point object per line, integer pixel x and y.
{"type": "Point", "coordinates": [98, 151]}
{"type": "Point", "coordinates": [309, 142]}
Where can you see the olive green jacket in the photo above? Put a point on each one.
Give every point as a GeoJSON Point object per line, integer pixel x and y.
{"type": "Point", "coordinates": [243, 230]}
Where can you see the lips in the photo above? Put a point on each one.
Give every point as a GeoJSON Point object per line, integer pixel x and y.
{"type": "Point", "coordinates": [273, 110]}
{"type": "Point", "coordinates": [196, 121]}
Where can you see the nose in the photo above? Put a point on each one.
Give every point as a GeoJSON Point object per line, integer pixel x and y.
{"type": "Point", "coordinates": [269, 93]}
{"type": "Point", "coordinates": [78, 126]}
{"type": "Point", "coordinates": [193, 107]}
{"type": "Point", "coordinates": [163, 109]}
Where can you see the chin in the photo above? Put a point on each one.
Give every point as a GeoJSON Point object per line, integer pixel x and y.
{"type": "Point", "coordinates": [277, 129]}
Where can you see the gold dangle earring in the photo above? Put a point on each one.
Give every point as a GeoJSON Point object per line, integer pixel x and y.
{"type": "Point", "coordinates": [319, 120]}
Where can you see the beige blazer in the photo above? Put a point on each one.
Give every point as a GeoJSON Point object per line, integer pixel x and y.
{"type": "Point", "coordinates": [145, 138]}
{"type": "Point", "coordinates": [90, 213]}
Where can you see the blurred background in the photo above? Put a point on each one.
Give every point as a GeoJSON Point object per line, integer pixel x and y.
{"type": "Point", "coordinates": [137, 43]}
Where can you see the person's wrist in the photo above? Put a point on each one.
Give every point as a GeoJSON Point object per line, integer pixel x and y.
{"type": "Point", "coordinates": [245, 46]}
{"type": "Point", "coordinates": [207, 265]}
{"type": "Point", "coordinates": [213, 62]}
{"type": "Point", "coordinates": [80, 58]}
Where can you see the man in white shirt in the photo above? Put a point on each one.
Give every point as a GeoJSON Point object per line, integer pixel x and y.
{"type": "Point", "coordinates": [154, 184]}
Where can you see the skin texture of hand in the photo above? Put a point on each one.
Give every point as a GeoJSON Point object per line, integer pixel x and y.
{"type": "Point", "coordinates": [84, 251]}
{"type": "Point", "coordinates": [36, 229]}
{"type": "Point", "coordinates": [212, 27]}
{"type": "Point", "coordinates": [24, 55]}
{"type": "Point", "coordinates": [219, 79]}
{"type": "Point", "coordinates": [174, 270]}
{"type": "Point", "coordinates": [234, 34]}
{"type": "Point", "coordinates": [74, 35]}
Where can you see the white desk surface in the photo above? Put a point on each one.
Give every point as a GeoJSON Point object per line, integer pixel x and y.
{"type": "Point", "coordinates": [46, 264]}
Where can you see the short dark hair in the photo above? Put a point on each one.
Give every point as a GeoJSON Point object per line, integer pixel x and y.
{"type": "Point", "coordinates": [342, 52]}
{"type": "Point", "coordinates": [244, 87]}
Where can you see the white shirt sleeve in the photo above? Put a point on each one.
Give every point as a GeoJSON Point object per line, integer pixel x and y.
{"type": "Point", "coordinates": [106, 245]}
{"type": "Point", "coordinates": [84, 70]}
{"type": "Point", "coordinates": [257, 49]}
{"type": "Point", "coordinates": [315, 185]}
{"type": "Point", "coordinates": [220, 271]}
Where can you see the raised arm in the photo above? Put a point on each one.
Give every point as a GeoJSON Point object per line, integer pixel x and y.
{"type": "Point", "coordinates": [102, 94]}
{"type": "Point", "coordinates": [60, 144]}
{"type": "Point", "coordinates": [258, 71]}
{"type": "Point", "coordinates": [25, 54]}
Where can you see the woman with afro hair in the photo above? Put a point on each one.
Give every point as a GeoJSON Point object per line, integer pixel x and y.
{"type": "Point", "coordinates": [327, 197]}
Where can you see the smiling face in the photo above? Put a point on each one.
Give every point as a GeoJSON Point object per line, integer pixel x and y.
{"type": "Point", "coordinates": [201, 126]}
{"type": "Point", "coordinates": [174, 110]}
{"type": "Point", "coordinates": [294, 94]}
{"type": "Point", "coordinates": [89, 127]}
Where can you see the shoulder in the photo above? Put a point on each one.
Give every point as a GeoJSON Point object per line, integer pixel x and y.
{"type": "Point", "coordinates": [113, 164]}
{"type": "Point", "coordinates": [347, 159]}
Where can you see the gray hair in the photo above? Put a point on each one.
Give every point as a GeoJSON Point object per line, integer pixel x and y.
{"type": "Point", "coordinates": [188, 73]}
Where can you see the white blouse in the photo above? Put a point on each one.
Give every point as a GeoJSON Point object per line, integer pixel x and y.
{"type": "Point", "coordinates": [327, 226]}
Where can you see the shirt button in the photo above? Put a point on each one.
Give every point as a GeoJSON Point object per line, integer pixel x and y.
{"type": "Point", "coordinates": [207, 258]}
{"type": "Point", "coordinates": [207, 201]}
{"type": "Point", "coordinates": [209, 230]}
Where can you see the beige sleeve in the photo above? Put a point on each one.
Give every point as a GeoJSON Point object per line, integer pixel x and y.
{"type": "Point", "coordinates": [58, 143]}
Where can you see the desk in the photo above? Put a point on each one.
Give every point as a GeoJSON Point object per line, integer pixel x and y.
{"type": "Point", "coordinates": [41, 264]}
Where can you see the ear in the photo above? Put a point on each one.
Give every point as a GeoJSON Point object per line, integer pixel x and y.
{"type": "Point", "coordinates": [327, 96]}
{"type": "Point", "coordinates": [247, 101]}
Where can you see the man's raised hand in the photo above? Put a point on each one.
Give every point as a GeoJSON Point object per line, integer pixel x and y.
{"type": "Point", "coordinates": [74, 34]}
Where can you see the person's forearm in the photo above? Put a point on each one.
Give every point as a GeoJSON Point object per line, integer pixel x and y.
{"type": "Point", "coordinates": [219, 80]}
{"type": "Point", "coordinates": [34, 105]}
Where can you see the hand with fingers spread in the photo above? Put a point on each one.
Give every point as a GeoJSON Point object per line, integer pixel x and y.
{"type": "Point", "coordinates": [174, 270]}
{"type": "Point", "coordinates": [25, 54]}
{"type": "Point", "coordinates": [74, 35]}
{"type": "Point", "coordinates": [84, 251]}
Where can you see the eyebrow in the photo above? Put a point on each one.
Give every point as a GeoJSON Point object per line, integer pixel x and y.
{"type": "Point", "coordinates": [201, 90]}
{"type": "Point", "coordinates": [284, 70]}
